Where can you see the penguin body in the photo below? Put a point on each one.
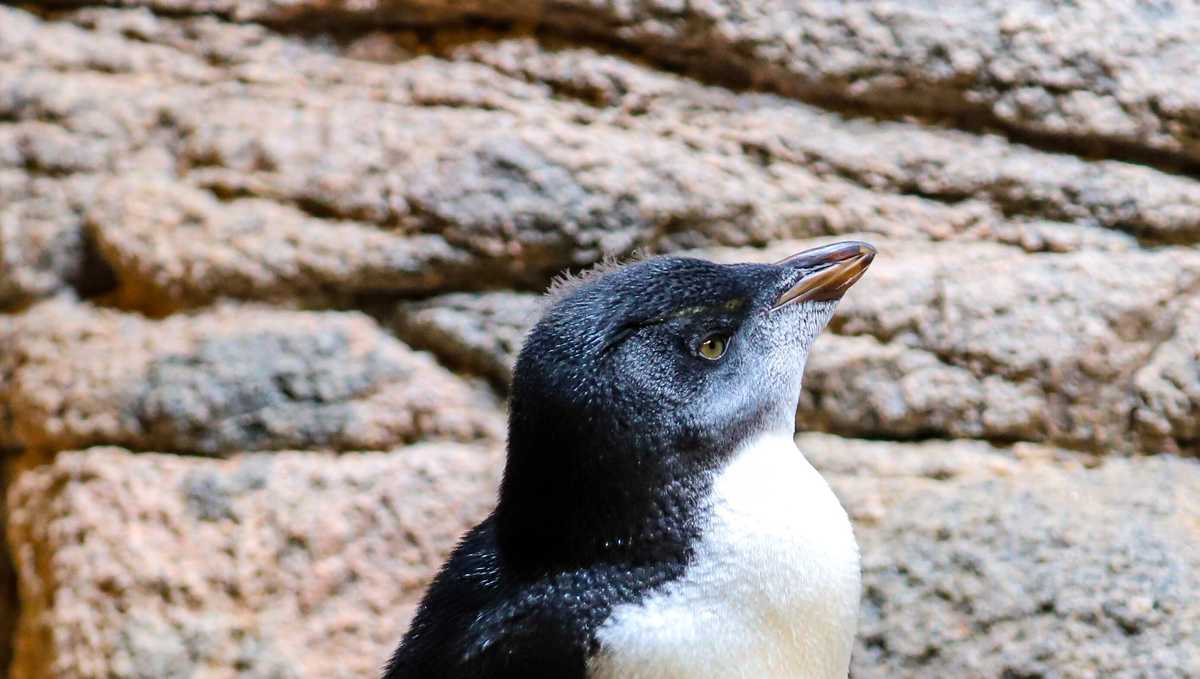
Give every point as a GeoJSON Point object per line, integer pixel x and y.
{"type": "Point", "coordinates": [655, 520]}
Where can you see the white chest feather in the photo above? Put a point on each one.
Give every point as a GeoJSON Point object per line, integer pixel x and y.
{"type": "Point", "coordinates": [772, 590]}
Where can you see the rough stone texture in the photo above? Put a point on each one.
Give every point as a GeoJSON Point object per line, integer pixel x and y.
{"type": "Point", "coordinates": [207, 159]}
{"type": "Point", "coordinates": [1013, 563]}
{"type": "Point", "coordinates": [229, 379]}
{"type": "Point", "coordinates": [1113, 72]}
{"type": "Point", "coordinates": [477, 332]}
{"type": "Point", "coordinates": [43, 248]}
{"type": "Point", "coordinates": [8, 586]}
{"type": "Point", "coordinates": [979, 561]}
{"type": "Point", "coordinates": [188, 186]}
{"type": "Point", "coordinates": [263, 565]}
{"type": "Point", "coordinates": [1038, 347]}
{"type": "Point", "coordinates": [183, 246]}
{"type": "Point", "coordinates": [1168, 387]}
{"type": "Point", "coordinates": [946, 166]}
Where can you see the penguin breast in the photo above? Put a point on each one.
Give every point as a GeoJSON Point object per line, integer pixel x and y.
{"type": "Point", "coordinates": [771, 590]}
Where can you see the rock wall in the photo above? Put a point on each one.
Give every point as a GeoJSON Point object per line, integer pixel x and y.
{"type": "Point", "coordinates": [264, 267]}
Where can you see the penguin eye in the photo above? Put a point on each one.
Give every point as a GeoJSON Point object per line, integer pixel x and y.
{"type": "Point", "coordinates": [713, 347]}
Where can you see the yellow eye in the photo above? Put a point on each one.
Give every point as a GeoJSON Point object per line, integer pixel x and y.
{"type": "Point", "coordinates": [713, 347]}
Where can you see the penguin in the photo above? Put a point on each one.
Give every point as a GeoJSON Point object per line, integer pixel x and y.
{"type": "Point", "coordinates": [655, 519]}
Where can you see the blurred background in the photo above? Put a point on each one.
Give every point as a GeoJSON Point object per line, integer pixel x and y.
{"type": "Point", "coordinates": [265, 265]}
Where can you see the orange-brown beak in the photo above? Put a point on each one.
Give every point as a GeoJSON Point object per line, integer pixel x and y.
{"type": "Point", "coordinates": [830, 270]}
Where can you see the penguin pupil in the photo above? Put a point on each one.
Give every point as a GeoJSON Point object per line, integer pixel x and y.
{"type": "Point", "coordinates": [713, 347]}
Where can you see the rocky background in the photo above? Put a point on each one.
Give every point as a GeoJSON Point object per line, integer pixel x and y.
{"type": "Point", "coordinates": [264, 266]}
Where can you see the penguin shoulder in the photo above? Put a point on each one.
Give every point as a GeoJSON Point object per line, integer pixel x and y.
{"type": "Point", "coordinates": [476, 621]}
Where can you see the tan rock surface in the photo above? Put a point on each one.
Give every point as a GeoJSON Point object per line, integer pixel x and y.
{"type": "Point", "coordinates": [263, 565]}
{"type": "Point", "coordinates": [194, 192]}
{"type": "Point", "coordinates": [1112, 72]}
{"type": "Point", "coordinates": [255, 164]}
{"type": "Point", "coordinates": [228, 379]}
{"type": "Point", "coordinates": [9, 608]}
{"type": "Point", "coordinates": [477, 332]}
{"type": "Point", "coordinates": [949, 167]}
{"type": "Point", "coordinates": [1167, 388]}
{"type": "Point", "coordinates": [43, 248]}
{"type": "Point", "coordinates": [272, 560]}
{"type": "Point", "coordinates": [983, 562]}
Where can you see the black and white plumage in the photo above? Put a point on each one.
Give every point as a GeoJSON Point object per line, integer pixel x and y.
{"type": "Point", "coordinates": [655, 519]}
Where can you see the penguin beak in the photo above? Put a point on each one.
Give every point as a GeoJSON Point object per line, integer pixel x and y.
{"type": "Point", "coordinates": [828, 272]}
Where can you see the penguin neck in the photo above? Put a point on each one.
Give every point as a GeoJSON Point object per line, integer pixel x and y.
{"type": "Point", "coordinates": [581, 492]}
{"type": "Point", "coordinates": [569, 501]}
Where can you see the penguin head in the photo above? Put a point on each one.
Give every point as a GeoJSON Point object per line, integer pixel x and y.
{"type": "Point", "coordinates": [656, 372]}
